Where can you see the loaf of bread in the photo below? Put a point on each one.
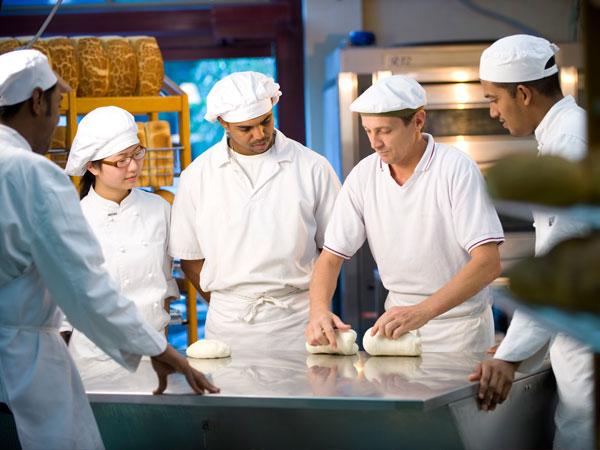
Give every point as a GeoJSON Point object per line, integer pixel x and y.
{"type": "Point", "coordinates": [546, 179]}
{"type": "Point", "coordinates": [39, 45]}
{"type": "Point", "coordinates": [122, 63]}
{"type": "Point", "coordinates": [566, 277]}
{"type": "Point", "coordinates": [93, 67]}
{"type": "Point", "coordinates": [150, 65]}
{"type": "Point", "coordinates": [160, 154]}
{"type": "Point", "coordinates": [144, 178]}
{"type": "Point", "coordinates": [8, 44]}
{"type": "Point", "coordinates": [64, 59]}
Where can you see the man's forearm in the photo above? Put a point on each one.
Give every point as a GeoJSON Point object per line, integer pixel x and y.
{"type": "Point", "coordinates": [192, 269]}
{"type": "Point", "coordinates": [324, 281]}
{"type": "Point", "coordinates": [480, 271]}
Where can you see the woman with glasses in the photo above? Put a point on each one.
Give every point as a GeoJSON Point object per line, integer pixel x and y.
{"type": "Point", "coordinates": [130, 224]}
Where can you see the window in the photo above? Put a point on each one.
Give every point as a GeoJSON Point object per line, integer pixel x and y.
{"type": "Point", "coordinates": [197, 78]}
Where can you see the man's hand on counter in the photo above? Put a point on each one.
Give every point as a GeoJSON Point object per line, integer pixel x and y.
{"type": "Point", "coordinates": [321, 328]}
{"type": "Point", "coordinates": [169, 362]}
{"type": "Point", "coordinates": [399, 320]}
{"type": "Point", "coordinates": [495, 378]}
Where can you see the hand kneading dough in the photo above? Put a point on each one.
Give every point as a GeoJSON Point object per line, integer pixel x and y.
{"type": "Point", "coordinates": [408, 344]}
{"type": "Point", "coordinates": [346, 344]}
{"type": "Point", "coordinates": [208, 348]}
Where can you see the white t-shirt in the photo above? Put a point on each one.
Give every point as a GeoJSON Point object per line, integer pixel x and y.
{"type": "Point", "coordinates": [257, 239]}
{"type": "Point", "coordinates": [250, 165]}
{"type": "Point", "coordinates": [421, 233]}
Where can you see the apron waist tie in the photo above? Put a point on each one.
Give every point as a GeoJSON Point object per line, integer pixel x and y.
{"type": "Point", "coordinates": [253, 305]}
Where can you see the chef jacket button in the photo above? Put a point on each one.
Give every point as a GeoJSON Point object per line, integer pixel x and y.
{"type": "Point", "coordinates": [144, 243]}
{"type": "Point", "coordinates": [126, 282]}
{"type": "Point", "coordinates": [122, 249]}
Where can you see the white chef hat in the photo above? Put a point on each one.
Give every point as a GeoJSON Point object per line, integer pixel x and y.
{"type": "Point", "coordinates": [101, 133]}
{"type": "Point", "coordinates": [518, 58]}
{"type": "Point", "coordinates": [21, 71]}
{"type": "Point", "coordinates": [241, 96]}
{"type": "Point", "coordinates": [390, 94]}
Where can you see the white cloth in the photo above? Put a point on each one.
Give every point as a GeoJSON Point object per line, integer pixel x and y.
{"type": "Point", "coordinates": [257, 239]}
{"type": "Point", "coordinates": [390, 94]}
{"type": "Point", "coordinates": [517, 59]}
{"type": "Point", "coordinates": [133, 236]}
{"type": "Point", "coordinates": [241, 96]}
{"type": "Point", "coordinates": [258, 323]}
{"type": "Point", "coordinates": [561, 132]}
{"type": "Point", "coordinates": [21, 71]}
{"type": "Point", "coordinates": [49, 257]}
{"type": "Point", "coordinates": [251, 165]}
{"type": "Point", "coordinates": [101, 133]}
{"type": "Point", "coordinates": [421, 233]}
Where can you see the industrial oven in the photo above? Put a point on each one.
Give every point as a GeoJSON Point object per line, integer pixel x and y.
{"type": "Point", "coordinates": [457, 114]}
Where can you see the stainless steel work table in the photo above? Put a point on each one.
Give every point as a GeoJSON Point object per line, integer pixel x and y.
{"type": "Point", "coordinates": [296, 400]}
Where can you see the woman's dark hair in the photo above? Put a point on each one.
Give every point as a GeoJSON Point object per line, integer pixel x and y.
{"type": "Point", "coordinates": [87, 181]}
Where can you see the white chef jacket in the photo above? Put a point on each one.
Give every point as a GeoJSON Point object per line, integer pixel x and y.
{"type": "Point", "coordinates": [134, 238]}
{"type": "Point", "coordinates": [420, 235]}
{"type": "Point", "coordinates": [259, 240]}
{"type": "Point", "coordinates": [561, 132]}
{"type": "Point", "coordinates": [254, 239]}
{"type": "Point", "coordinates": [49, 257]}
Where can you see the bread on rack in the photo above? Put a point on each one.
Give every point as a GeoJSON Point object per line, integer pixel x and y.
{"type": "Point", "coordinates": [59, 138]}
{"type": "Point", "coordinates": [39, 45]}
{"type": "Point", "coordinates": [160, 154]}
{"type": "Point", "coordinates": [64, 59]}
{"type": "Point", "coordinates": [93, 67]}
{"type": "Point", "coordinates": [567, 277]}
{"type": "Point", "coordinates": [546, 179]}
{"type": "Point", "coordinates": [123, 70]}
{"type": "Point", "coordinates": [150, 65]}
{"type": "Point", "coordinates": [144, 178]}
{"type": "Point", "coordinates": [8, 44]}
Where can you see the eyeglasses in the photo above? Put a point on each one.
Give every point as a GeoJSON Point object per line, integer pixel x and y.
{"type": "Point", "coordinates": [123, 163]}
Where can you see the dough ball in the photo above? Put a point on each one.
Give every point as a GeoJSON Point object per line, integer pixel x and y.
{"type": "Point", "coordinates": [208, 348]}
{"type": "Point", "coordinates": [209, 365]}
{"type": "Point", "coordinates": [346, 344]}
{"type": "Point", "coordinates": [408, 344]}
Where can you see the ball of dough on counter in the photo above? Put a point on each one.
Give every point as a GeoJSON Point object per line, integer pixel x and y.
{"type": "Point", "coordinates": [207, 366]}
{"type": "Point", "coordinates": [346, 344]}
{"type": "Point", "coordinates": [408, 344]}
{"type": "Point", "coordinates": [208, 348]}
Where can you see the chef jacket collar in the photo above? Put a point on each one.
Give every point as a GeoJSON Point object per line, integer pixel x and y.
{"type": "Point", "coordinates": [547, 122]}
{"type": "Point", "coordinates": [108, 206]}
{"type": "Point", "coordinates": [279, 151]}
{"type": "Point", "coordinates": [13, 137]}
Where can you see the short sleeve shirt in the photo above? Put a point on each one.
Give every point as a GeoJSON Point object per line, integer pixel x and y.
{"type": "Point", "coordinates": [254, 237]}
{"type": "Point", "coordinates": [420, 233]}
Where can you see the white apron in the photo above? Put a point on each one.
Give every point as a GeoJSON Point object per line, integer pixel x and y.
{"type": "Point", "coordinates": [259, 323]}
{"type": "Point", "coordinates": [49, 415]}
{"type": "Point", "coordinates": [453, 333]}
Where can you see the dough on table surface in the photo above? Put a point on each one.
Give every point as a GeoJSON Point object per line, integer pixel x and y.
{"type": "Point", "coordinates": [208, 348]}
{"type": "Point", "coordinates": [408, 344]}
{"type": "Point", "coordinates": [346, 344]}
